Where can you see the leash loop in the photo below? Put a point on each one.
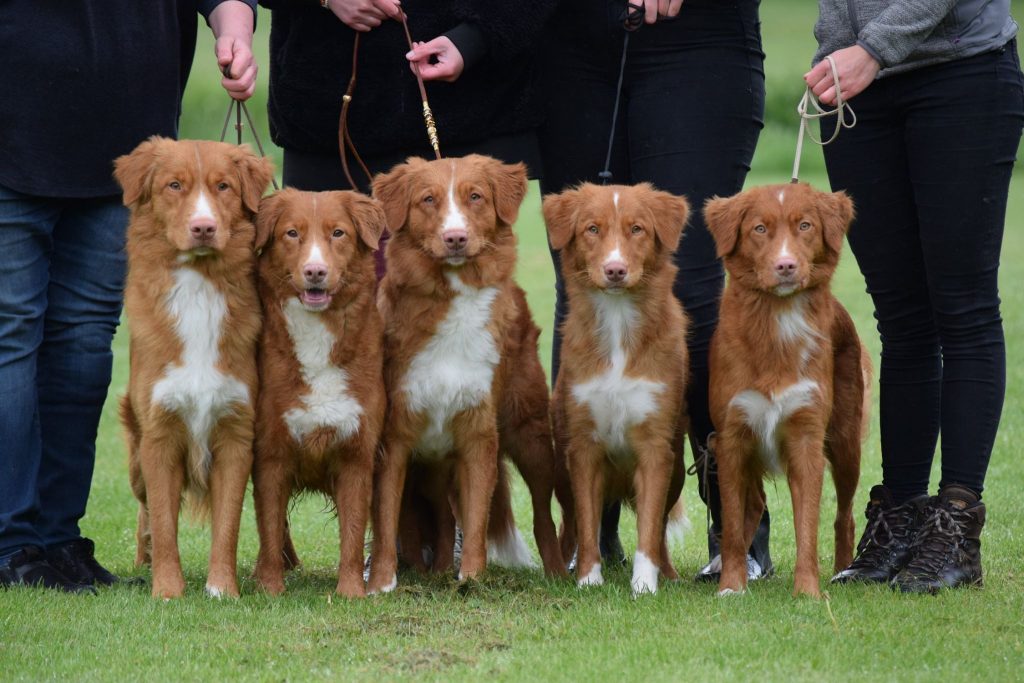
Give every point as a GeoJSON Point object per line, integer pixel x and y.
{"type": "Point", "coordinates": [238, 108]}
{"type": "Point", "coordinates": [845, 117]}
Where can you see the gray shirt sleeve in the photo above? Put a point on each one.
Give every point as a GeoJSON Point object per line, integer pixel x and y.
{"type": "Point", "coordinates": [892, 35]}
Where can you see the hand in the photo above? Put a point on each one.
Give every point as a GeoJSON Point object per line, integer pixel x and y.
{"type": "Point", "coordinates": [232, 24]}
{"type": "Point", "coordinates": [665, 8]}
{"type": "Point", "coordinates": [856, 69]}
{"type": "Point", "coordinates": [363, 15]}
{"type": "Point", "coordinates": [448, 65]}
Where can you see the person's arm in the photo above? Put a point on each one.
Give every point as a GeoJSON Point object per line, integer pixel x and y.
{"type": "Point", "coordinates": [232, 23]}
{"type": "Point", "coordinates": [884, 41]}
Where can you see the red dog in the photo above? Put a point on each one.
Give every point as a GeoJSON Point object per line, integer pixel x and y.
{"type": "Point", "coordinates": [321, 402]}
{"type": "Point", "coordinates": [464, 380]}
{"type": "Point", "coordinates": [788, 375]}
{"type": "Point", "coordinates": [618, 400]}
{"type": "Point", "coordinates": [194, 316]}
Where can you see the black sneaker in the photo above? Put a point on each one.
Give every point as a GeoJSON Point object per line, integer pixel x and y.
{"type": "Point", "coordinates": [29, 567]}
{"type": "Point", "coordinates": [884, 547]}
{"type": "Point", "coordinates": [76, 560]}
{"type": "Point", "coordinates": [946, 552]}
{"type": "Point", "coordinates": [759, 558]}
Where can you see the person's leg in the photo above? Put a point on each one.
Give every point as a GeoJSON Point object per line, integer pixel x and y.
{"type": "Point", "coordinates": [74, 362]}
{"type": "Point", "coordinates": [26, 224]}
{"type": "Point", "coordinates": [683, 146]}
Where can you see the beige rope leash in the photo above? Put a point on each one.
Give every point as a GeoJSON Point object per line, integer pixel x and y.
{"type": "Point", "coordinates": [841, 112]}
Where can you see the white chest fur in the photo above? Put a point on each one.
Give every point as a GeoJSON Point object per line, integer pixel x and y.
{"type": "Point", "coordinates": [195, 388]}
{"type": "Point", "coordinates": [616, 402]}
{"type": "Point", "coordinates": [328, 403]}
{"type": "Point", "coordinates": [455, 369]}
{"type": "Point", "coordinates": [766, 415]}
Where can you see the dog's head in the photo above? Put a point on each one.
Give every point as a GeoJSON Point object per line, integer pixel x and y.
{"type": "Point", "coordinates": [613, 236]}
{"type": "Point", "coordinates": [316, 243]}
{"type": "Point", "coordinates": [451, 210]}
{"type": "Point", "coordinates": [780, 239]}
{"type": "Point", "coordinates": [201, 195]}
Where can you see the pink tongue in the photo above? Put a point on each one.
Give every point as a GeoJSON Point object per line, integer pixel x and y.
{"type": "Point", "coordinates": [314, 296]}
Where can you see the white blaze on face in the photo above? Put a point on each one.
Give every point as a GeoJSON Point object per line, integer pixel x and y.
{"type": "Point", "coordinates": [784, 252]}
{"type": "Point", "coordinates": [202, 208]}
{"type": "Point", "coordinates": [782, 196]}
{"type": "Point", "coordinates": [615, 199]}
{"type": "Point", "coordinates": [316, 256]}
{"type": "Point", "coordinates": [453, 218]}
{"type": "Point", "coordinates": [614, 255]}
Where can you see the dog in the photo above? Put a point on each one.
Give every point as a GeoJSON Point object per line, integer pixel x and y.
{"type": "Point", "coordinates": [194, 315]}
{"type": "Point", "coordinates": [321, 400]}
{"type": "Point", "coordinates": [461, 367]}
{"type": "Point", "coordinates": [789, 377]}
{"type": "Point", "coordinates": [618, 406]}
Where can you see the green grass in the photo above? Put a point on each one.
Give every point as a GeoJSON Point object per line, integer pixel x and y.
{"type": "Point", "coordinates": [516, 624]}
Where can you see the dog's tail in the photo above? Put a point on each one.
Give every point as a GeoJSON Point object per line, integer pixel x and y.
{"type": "Point", "coordinates": [678, 525]}
{"type": "Point", "coordinates": [867, 374]}
{"type": "Point", "coordinates": [506, 547]}
{"type": "Point", "coordinates": [197, 482]}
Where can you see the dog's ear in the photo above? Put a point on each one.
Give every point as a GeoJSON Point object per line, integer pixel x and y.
{"type": "Point", "coordinates": [368, 216]}
{"type": "Point", "coordinates": [836, 210]}
{"type": "Point", "coordinates": [270, 210]}
{"type": "Point", "coordinates": [560, 217]}
{"type": "Point", "coordinates": [254, 174]}
{"type": "Point", "coordinates": [392, 190]}
{"type": "Point", "coordinates": [508, 183]}
{"type": "Point", "coordinates": [724, 217]}
{"type": "Point", "coordinates": [670, 214]}
{"type": "Point", "coordinates": [134, 171]}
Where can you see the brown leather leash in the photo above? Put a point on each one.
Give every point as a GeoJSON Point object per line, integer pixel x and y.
{"type": "Point", "coordinates": [345, 139]}
{"type": "Point", "coordinates": [239, 108]}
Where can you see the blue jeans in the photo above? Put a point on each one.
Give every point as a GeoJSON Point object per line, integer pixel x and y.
{"type": "Point", "coordinates": [928, 166]}
{"type": "Point", "coordinates": [62, 267]}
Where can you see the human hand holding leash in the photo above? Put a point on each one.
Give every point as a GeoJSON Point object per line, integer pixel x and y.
{"type": "Point", "coordinates": [856, 69]}
{"type": "Point", "coordinates": [447, 65]}
{"type": "Point", "coordinates": [232, 24]}
{"type": "Point", "coordinates": [660, 9]}
{"type": "Point", "coordinates": [364, 15]}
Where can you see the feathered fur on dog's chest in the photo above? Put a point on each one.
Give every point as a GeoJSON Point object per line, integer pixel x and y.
{"type": "Point", "coordinates": [454, 371]}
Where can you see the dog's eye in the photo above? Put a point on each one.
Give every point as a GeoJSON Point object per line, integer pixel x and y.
{"type": "Point", "coordinates": [805, 226]}
{"type": "Point", "coordinates": [293, 233]}
{"type": "Point", "coordinates": [760, 229]}
{"type": "Point", "coordinates": [636, 229]}
{"type": "Point", "coordinates": [429, 199]}
{"type": "Point", "coordinates": [592, 230]}
{"type": "Point", "coordinates": [174, 185]}
{"type": "Point", "coordinates": [475, 197]}
{"type": "Point", "coordinates": [223, 187]}
{"type": "Point", "coordinates": [338, 233]}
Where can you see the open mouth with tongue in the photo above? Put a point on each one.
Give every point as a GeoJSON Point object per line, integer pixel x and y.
{"type": "Point", "coordinates": [315, 299]}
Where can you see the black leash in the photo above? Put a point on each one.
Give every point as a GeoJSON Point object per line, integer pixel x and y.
{"type": "Point", "coordinates": [632, 19]}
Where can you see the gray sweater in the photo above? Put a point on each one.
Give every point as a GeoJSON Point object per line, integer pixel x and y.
{"type": "Point", "coordinates": [908, 34]}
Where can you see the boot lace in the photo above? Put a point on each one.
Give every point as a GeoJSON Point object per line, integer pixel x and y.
{"type": "Point", "coordinates": [885, 529]}
{"type": "Point", "coordinates": [939, 537]}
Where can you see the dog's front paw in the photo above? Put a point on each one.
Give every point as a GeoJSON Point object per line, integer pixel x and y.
{"type": "Point", "coordinates": [645, 575]}
{"type": "Point", "coordinates": [593, 577]}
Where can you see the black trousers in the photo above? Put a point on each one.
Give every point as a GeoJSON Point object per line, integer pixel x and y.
{"type": "Point", "coordinates": [928, 166]}
{"type": "Point", "coordinates": [691, 112]}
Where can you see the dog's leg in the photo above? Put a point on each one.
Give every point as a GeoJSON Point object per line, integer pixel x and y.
{"type": "Point", "coordinates": [291, 558]}
{"type": "Point", "coordinates": [844, 442]}
{"type": "Point", "coordinates": [389, 482]}
{"type": "Point", "coordinates": [731, 454]}
{"type": "Point", "coordinates": [416, 524]}
{"type": "Point", "coordinates": [229, 474]}
{"type": "Point", "coordinates": [586, 466]}
{"type": "Point", "coordinates": [675, 489]}
{"type": "Point", "coordinates": [477, 472]}
{"type": "Point", "coordinates": [805, 469]}
{"type": "Point", "coordinates": [651, 482]}
{"type": "Point", "coordinates": [163, 470]}
{"type": "Point", "coordinates": [438, 483]}
{"type": "Point", "coordinates": [353, 487]}
{"type": "Point", "coordinates": [531, 450]}
{"type": "Point", "coordinates": [271, 484]}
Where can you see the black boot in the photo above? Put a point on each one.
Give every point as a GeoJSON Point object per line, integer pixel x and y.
{"type": "Point", "coordinates": [612, 552]}
{"type": "Point", "coordinates": [76, 560]}
{"type": "Point", "coordinates": [759, 559]}
{"type": "Point", "coordinates": [29, 567]}
{"type": "Point", "coordinates": [946, 552]}
{"type": "Point", "coordinates": [884, 547]}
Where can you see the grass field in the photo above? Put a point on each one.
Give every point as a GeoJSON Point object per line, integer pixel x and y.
{"type": "Point", "coordinates": [516, 624]}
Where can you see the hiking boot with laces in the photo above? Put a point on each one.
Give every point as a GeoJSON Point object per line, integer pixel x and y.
{"type": "Point", "coordinates": [884, 548]}
{"type": "Point", "coordinates": [946, 551]}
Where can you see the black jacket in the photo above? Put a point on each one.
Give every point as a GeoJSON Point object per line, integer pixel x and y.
{"type": "Point", "coordinates": [82, 83]}
{"type": "Point", "coordinates": [311, 61]}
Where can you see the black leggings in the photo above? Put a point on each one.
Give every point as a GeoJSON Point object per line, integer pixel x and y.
{"type": "Point", "coordinates": [692, 109]}
{"type": "Point", "coordinates": [928, 166]}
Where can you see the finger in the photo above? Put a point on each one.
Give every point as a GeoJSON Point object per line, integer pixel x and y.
{"type": "Point", "coordinates": [814, 75]}
{"type": "Point", "coordinates": [828, 97]}
{"type": "Point", "coordinates": [370, 20]}
{"type": "Point", "coordinates": [650, 11]}
{"type": "Point", "coordinates": [223, 49]}
{"type": "Point", "coordinates": [391, 8]}
{"type": "Point", "coordinates": [822, 85]}
{"type": "Point", "coordinates": [673, 8]}
{"type": "Point", "coordinates": [436, 72]}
